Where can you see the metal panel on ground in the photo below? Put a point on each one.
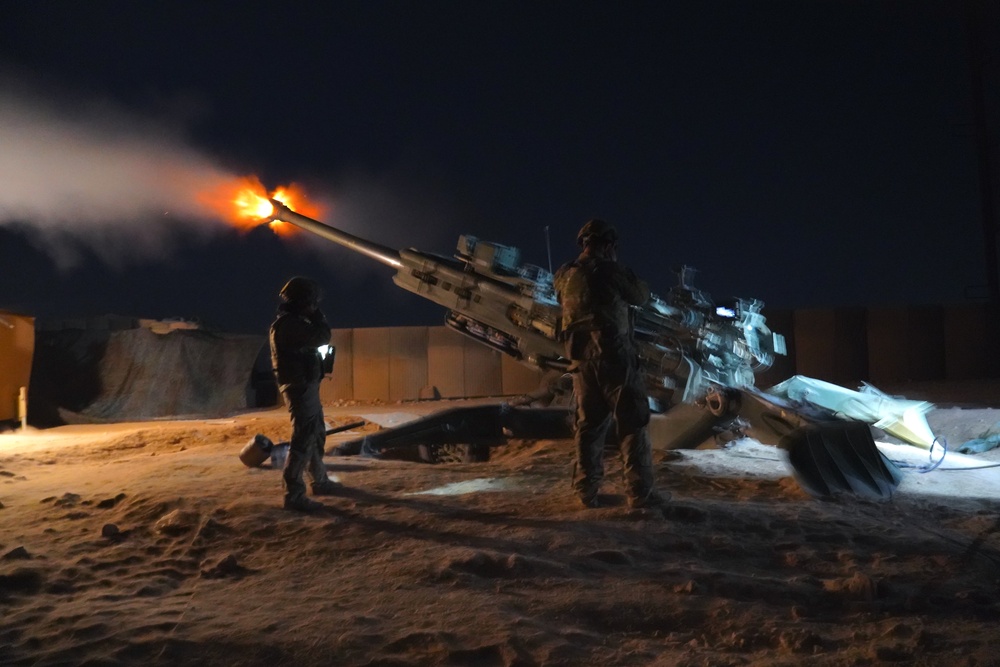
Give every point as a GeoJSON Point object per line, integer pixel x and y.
{"type": "Point", "coordinates": [340, 386]}
{"type": "Point", "coordinates": [446, 361]}
{"type": "Point", "coordinates": [905, 343]}
{"type": "Point", "coordinates": [482, 370]}
{"type": "Point", "coordinates": [371, 364]}
{"type": "Point", "coordinates": [407, 362]}
{"type": "Point", "coordinates": [831, 344]}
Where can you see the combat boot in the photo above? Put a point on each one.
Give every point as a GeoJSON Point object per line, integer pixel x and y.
{"type": "Point", "coordinates": [327, 487]}
{"type": "Point", "coordinates": [588, 498]}
{"type": "Point", "coordinates": [649, 500]}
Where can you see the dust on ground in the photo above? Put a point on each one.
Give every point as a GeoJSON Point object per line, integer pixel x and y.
{"type": "Point", "coordinates": [151, 543]}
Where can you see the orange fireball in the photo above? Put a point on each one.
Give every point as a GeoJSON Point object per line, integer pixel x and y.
{"type": "Point", "coordinates": [245, 203]}
{"type": "Point", "coordinates": [294, 197]}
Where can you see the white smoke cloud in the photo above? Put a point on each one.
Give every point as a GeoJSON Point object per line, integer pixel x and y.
{"type": "Point", "coordinates": [87, 173]}
{"type": "Point", "coordinates": [81, 174]}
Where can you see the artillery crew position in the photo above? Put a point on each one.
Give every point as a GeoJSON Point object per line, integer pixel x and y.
{"type": "Point", "coordinates": [690, 355]}
{"type": "Point", "coordinates": [595, 293]}
{"type": "Point", "coordinates": [296, 336]}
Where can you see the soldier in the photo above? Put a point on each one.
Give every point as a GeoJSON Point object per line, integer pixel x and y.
{"type": "Point", "coordinates": [595, 292]}
{"type": "Point", "coordinates": [296, 335]}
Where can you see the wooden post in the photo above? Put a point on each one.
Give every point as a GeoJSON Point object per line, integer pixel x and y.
{"type": "Point", "coordinates": [22, 407]}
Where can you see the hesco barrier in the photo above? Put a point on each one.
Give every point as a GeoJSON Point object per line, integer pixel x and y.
{"type": "Point", "coordinates": [406, 363]}
{"type": "Point", "coordinates": [842, 345]}
{"type": "Point", "coordinates": [890, 344]}
{"type": "Point", "coordinates": [103, 372]}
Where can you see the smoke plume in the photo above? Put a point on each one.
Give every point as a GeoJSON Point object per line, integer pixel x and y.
{"type": "Point", "coordinates": [87, 173]}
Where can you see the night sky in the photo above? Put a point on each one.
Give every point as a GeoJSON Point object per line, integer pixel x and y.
{"type": "Point", "coordinates": [808, 153]}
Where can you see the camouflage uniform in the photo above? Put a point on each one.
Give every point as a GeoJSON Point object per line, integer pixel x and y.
{"type": "Point", "coordinates": [595, 294]}
{"type": "Point", "coordinates": [295, 336]}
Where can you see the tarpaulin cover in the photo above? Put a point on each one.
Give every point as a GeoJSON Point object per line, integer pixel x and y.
{"type": "Point", "coordinates": [85, 375]}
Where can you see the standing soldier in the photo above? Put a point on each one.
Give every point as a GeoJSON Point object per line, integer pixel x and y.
{"type": "Point", "coordinates": [297, 333]}
{"type": "Point", "coordinates": [595, 292]}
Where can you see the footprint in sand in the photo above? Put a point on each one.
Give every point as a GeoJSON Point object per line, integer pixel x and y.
{"type": "Point", "coordinates": [108, 503]}
{"type": "Point", "coordinates": [23, 581]}
{"type": "Point", "coordinates": [17, 553]}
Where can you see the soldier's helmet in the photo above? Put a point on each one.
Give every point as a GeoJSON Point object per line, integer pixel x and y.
{"type": "Point", "coordinates": [597, 230]}
{"type": "Point", "coordinates": [301, 290]}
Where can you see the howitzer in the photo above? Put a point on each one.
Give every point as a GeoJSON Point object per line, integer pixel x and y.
{"type": "Point", "coordinates": [698, 359]}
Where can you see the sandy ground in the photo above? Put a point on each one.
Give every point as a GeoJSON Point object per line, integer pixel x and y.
{"type": "Point", "coordinates": [150, 543]}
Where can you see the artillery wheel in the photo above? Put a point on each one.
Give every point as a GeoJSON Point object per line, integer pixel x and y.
{"type": "Point", "coordinates": [451, 453]}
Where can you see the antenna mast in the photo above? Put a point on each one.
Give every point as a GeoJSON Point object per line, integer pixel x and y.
{"type": "Point", "coordinates": [548, 247]}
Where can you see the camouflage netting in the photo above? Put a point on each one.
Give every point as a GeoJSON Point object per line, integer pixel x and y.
{"type": "Point", "coordinates": [85, 375]}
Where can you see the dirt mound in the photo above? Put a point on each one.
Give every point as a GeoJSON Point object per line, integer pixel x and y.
{"type": "Point", "coordinates": [91, 375]}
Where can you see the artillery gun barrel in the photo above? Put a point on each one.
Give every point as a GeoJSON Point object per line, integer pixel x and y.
{"type": "Point", "coordinates": [381, 253]}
